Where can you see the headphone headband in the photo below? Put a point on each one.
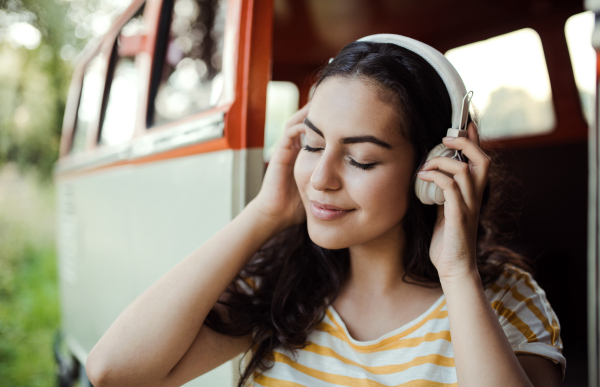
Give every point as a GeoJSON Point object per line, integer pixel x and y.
{"type": "Point", "coordinates": [452, 80]}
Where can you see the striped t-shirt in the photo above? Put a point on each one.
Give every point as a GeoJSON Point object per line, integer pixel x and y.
{"type": "Point", "coordinates": [418, 353]}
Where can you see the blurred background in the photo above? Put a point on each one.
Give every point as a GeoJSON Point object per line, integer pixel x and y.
{"type": "Point", "coordinates": [531, 66]}
{"type": "Point", "coordinates": [39, 40]}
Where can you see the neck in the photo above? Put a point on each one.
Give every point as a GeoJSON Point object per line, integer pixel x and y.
{"type": "Point", "coordinates": [376, 267]}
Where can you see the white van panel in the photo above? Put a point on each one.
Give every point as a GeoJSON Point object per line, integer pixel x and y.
{"type": "Point", "coordinates": [122, 228]}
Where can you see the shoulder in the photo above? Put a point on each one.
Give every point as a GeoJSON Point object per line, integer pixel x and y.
{"type": "Point", "coordinates": [516, 287]}
{"type": "Point", "coordinates": [523, 310]}
{"type": "Point", "coordinates": [516, 296]}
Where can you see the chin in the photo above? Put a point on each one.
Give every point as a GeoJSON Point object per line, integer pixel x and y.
{"type": "Point", "coordinates": [332, 237]}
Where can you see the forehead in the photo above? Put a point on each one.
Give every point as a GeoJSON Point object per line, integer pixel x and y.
{"type": "Point", "coordinates": [351, 106]}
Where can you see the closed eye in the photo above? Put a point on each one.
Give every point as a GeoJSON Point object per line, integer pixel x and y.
{"type": "Point", "coordinates": [352, 162]}
{"type": "Point", "coordinates": [308, 148]}
{"type": "Point", "coordinates": [362, 166]}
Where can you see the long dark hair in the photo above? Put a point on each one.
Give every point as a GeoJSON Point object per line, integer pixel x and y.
{"type": "Point", "coordinates": [296, 280]}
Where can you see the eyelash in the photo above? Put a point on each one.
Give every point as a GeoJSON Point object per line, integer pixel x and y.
{"type": "Point", "coordinates": [352, 162]}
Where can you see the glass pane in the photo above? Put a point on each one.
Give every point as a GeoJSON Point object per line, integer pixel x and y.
{"type": "Point", "coordinates": [578, 30]}
{"type": "Point", "coordinates": [282, 103]}
{"type": "Point", "coordinates": [90, 101]}
{"type": "Point", "coordinates": [121, 109]}
{"type": "Point", "coordinates": [509, 78]}
{"type": "Point", "coordinates": [191, 78]}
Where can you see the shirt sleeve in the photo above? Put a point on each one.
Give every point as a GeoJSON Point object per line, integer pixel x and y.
{"type": "Point", "coordinates": [248, 284]}
{"type": "Point", "coordinates": [526, 316]}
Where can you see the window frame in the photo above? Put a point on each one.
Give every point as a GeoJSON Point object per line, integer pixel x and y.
{"type": "Point", "coordinates": [113, 58]}
{"type": "Point", "coordinates": [570, 125]}
{"type": "Point", "coordinates": [583, 113]}
{"type": "Point", "coordinates": [162, 30]}
{"type": "Point", "coordinates": [238, 116]}
{"type": "Point", "coordinates": [91, 127]}
{"type": "Point", "coordinates": [547, 130]}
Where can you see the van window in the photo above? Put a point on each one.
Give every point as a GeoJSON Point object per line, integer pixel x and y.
{"type": "Point", "coordinates": [187, 76]}
{"type": "Point", "coordinates": [509, 78]}
{"type": "Point", "coordinates": [578, 31]}
{"type": "Point", "coordinates": [282, 102]}
{"type": "Point", "coordinates": [89, 101]}
{"type": "Point", "coordinates": [119, 118]}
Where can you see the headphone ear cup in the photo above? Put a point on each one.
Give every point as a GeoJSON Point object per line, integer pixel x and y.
{"type": "Point", "coordinates": [427, 191]}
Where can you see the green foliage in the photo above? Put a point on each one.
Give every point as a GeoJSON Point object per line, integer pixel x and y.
{"type": "Point", "coordinates": [33, 92]}
{"type": "Point", "coordinates": [29, 318]}
{"type": "Point", "coordinates": [34, 82]}
{"type": "Point", "coordinates": [32, 103]}
{"type": "Point", "coordinates": [29, 309]}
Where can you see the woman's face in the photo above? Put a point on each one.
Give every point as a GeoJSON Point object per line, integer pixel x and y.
{"type": "Point", "coordinates": [348, 124]}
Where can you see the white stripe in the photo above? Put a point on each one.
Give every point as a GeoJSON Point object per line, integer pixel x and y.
{"type": "Point", "coordinates": [431, 372]}
{"type": "Point", "coordinates": [390, 356]}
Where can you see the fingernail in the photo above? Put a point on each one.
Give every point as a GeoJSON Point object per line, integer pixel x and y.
{"type": "Point", "coordinates": [424, 164]}
{"type": "Point", "coordinates": [422, 172]}
{"type": "Point", "coordinates": [448, 138]}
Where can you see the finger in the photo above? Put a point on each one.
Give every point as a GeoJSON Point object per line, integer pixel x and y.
{"type": "Point", "coordinates": [468, 148]}
{"type": "Point", "coordinates": [288, 147]}
{"type": "Point", "coordinates": [450, 187]}
{"type": "Point", "coordinates": [479, 162]}
{"type": "Point", "coordinates": [298, 117]}
{"type": "Point", "coordinates": [473, 133]}
{"type": "Point", "coordinates": [461, 173]}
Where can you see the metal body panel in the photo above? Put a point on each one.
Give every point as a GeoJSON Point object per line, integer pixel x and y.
{"type": "Point", "coordinates": [122, 228]}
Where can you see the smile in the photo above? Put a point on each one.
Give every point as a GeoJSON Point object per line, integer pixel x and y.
{"type": "Point", "coordinates": [326, 214]}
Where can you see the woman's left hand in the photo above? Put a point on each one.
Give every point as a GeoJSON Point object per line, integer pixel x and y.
{"type": "Point", "coordinates": [454, 240]}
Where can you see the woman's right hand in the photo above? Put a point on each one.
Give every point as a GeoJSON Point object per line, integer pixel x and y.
{"type": "Point", "coordinates": [279, 198]}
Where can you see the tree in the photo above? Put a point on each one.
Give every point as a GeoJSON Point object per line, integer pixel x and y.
{"type": "Point", "coordinates": [38, 41]}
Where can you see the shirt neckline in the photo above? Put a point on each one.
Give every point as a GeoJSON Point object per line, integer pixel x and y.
{"type": "Point", "coordinates": [396, 331]}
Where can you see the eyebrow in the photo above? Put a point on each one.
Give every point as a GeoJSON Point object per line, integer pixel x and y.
{"type": "Point", "coordinates": [351, 140]}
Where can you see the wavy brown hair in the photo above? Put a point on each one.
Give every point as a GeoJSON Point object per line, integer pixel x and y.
{"type": "Point", "coordinates": [297, 279]}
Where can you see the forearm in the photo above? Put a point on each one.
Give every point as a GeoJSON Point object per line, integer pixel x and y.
{"type": "Point", "coordinates": [153, 333]}
{"type": "Point", "coordinates": [482, 353]}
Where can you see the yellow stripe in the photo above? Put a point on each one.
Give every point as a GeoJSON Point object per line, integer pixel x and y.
{"type": "Point", "coordinates": [382, 370]}
{"type": "Point", "coordinates": [348, 380]}
{"type": "Point", "coordinates": [403, 343]}
{"type": "Point", "coordinates": [553, 328]}
{"type": "Point", "coordinates": [556, 330]}
{"type": "Point", "coordinates": [340, 333]}
{"type": "Point", "coordinates": [272, 382]}
{"type": "Point", "coordinates": [250, 281]}
{"type": "Point", "coordinates": [515, 321]}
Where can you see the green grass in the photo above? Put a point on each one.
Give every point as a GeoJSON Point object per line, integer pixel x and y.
{"type": "Point", "coordinates": [29, 304]}
{"type": "Point", "coordinates": [28, 321]}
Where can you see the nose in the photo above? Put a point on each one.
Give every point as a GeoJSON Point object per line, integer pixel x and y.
{"type": "Point", "coordinates": [326, 175]}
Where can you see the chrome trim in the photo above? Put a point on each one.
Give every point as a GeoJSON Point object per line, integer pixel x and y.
{"type": "Point", "coordinates": [188, 133]}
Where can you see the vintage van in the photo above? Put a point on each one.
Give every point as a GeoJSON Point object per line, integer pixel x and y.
{"type": "Point", "coordinates": [172, 115]}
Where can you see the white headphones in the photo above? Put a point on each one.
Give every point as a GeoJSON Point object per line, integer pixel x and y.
{"type": "Point", "coordinates": [427, 191]}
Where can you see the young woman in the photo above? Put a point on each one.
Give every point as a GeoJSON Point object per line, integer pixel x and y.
{"type": "Point", "coordinates": [337, 273]}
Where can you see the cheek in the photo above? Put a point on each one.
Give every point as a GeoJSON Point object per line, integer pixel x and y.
{"type": "Point", "coordinates": [302, 172]}
{"type": "Point", "coordinates": [383, 196]}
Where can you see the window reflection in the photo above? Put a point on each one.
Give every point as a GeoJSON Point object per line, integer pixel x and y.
{"type": "Point", "coordinates": [509, 78]}
{"type": "Point", "coordinates": [119, 119]}
{"type": "Point", "coordinates": [191, 78]}
{"type": "Point", "coordinates": [89, 102]}
{"type": "Point", "coordinates": [282, 103]}
{"type": "Point", "coordinates": [578, 30]}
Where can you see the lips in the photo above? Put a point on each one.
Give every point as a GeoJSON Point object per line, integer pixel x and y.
{"type": "Point", "coordinates": [327, 211]}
